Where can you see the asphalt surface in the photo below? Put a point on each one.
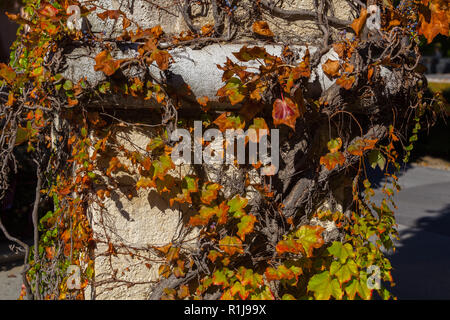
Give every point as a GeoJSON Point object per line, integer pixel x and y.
{"type": "Point", "coordinates": [421, 260]}
{"type": "Point", "coordinates": [10, 280]}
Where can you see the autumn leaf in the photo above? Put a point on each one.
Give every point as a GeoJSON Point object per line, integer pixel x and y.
{"type": "Point", "coordinates": [433, 20]}
{"type": "Point", "coordinates": [370, 72]}
{"type": "Point", "coordinates": [227, 121]}
{"type": "Point", "coordinates": [202, 219]}
{"type": "Point", "coordinates": [285, 112]}
{"type": "Point", "coordinates": [331, 160]}
{"type": "Point", "coordinates": [11, 99]}
{"type": "Point", "coordinates": [358, 147]}
{"type": "Point", "coordinates": [376, 158]}
{"type": "Point", "coordinates": [213, 255]}
{"type": "Point", "coordinates": [331, 68]}
{"type": "Point", "coordinates": [7, 73]}
{"type": "Point", "coordinates": [283, 273]}
{"type": "Point", "coordinates": [237, 205]}
{"type": "Point", "coordinates": [162, 166]}
{"type": "Point", "coordinates": [310, 238]}
{"type": "Point", "coordinates": [207, 30]}
{"type": "Point", "coordinates": [258, 92]}
{"type": "Point", "coordinates": [358, 286]}
{"type": "Point", "coordinates": [302, 70]}
{"type": "Point", "coordinates": [246, 54]}
{"type": "Point", "coordinates": [144, 182]}
{"type": "Point", "coordinates": [346, 82]}
{"type": "Point", "coordinates": [222, 213]}
{"type": "Point", "coordinates": [203, 101]}
{"type": "Point", "coordinates": [104, 62]}
{"type": "Point", "coordinates": [189, 185]}
{"type": "Point", "coordinates": [341, 251]}
{"type": "Point", "coordinates": [111, 14]}
{"type": "Point", "coordinates": [248, 277]}
{"type": "Point", "coordinates": [261, 128]}
{"type": "Point", "coordinates": [334, 144]}
{"type": "Point", "coordinates": [162, 58]}
{"type": "Point", "coordinates": [219, 278]}
{"type": "Point", "coordinates": [340, 48]}
{"type": "Point", "coordinates": [209, 192]}
{"type": "Point", "coordinates": [231, 245]}
{"type": "Point", "coordinates": [359, 22]}
{"type": "Point", "coordinates": [237, 287]}
{"type": "Point", "coordinates": [48, 11]}
{"type": "Point", "coordinates": [262, 28]}
{"type": "Point", "coordinates": [345, 271]}
{"type": "Point", "coordinates": [288, 245]}
{"type": "Point", "coordinates": [234, 90]}
{"type": "Point", "coordinates": [324, 286]}
{"type": "Point", "coordinates": [246, 226]}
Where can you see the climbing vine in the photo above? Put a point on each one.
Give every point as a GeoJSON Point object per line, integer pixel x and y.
{"type": "Point", "coordinates": [312, 231]}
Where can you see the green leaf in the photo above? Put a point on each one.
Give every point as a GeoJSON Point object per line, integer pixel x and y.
{"type": "Point", "coordinates": [239, 288]}
{"type": "Point", "coordinates": [162, 165]}
{"type": "Point", "coordinates": [237, 205]}
{"type": "Point", "coordinates": [344, 272]}
{"type": "Point", "coordinates": [341, 251]}
{"type": "Point", "coordinates": [359, 287]}
{"type": "Point", "coordinates": [155, 143]}
{"type": "Point", "coordinates": [324, 286]}
{"type": "Point", "coordinates": [68, 85]}
{"type": "Point", "coordinates": [104, 87]}
{"type": "Point", "coordinates": [220, 278]}
{"type": "Point", "coordinates": [83, 132]}
{"type": "Point", "coordinates": [334, 145]}
{"type": "Point", "coordinates": [377, 158]}
{"type": "Point", "coordinates": [21, 136]}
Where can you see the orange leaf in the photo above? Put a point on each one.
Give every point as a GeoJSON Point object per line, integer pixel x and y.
{"type": "Point", "coordinates": [246, 225]}
{"type": "Point", "coordinates": [332, 159]}
{"type": "Point", "coordinates": [105, 62]}
{"type": "Point", "coordinates": [434, 20]}
{"type": "Point", "coordinates": [203, 101]}
{"type": "Point", "coordinates": [331, 68]}
{"type": "Point", "coordinates": [162, 58]}
{"type": "Point", "coordinates": [207, 29]}
{"type": "Point", "coordinates": [111, 14]}
{"type": "Point", "coordinates": [370, 73]}
{"type": "Point", "coordinates": [359, 23]}
{"type": "Point", "coordinates": [262, 28]}
{"type": "Point", "coordinates": [340, 48]}
{"type": "Point", "coordinates": [209, 192]}
{"type": "Point", "coordinates": [231, 245]}
{"type": "Point", "coordinates": [346, 82]}
{"type": "Point", "coordinates": [7, 73]}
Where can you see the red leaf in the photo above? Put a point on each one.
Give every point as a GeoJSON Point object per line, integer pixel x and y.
{"type": "Point", "coordinates": [285, 112]}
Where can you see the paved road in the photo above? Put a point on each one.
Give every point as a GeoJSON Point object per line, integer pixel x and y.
{"type": "Point", "coordinates": [421, 261]}
{"type": "Point", "coordinates": [10, 280]}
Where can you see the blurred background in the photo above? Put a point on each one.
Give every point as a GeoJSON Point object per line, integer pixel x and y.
{"type": "Point", "coordinates": [422, 260]}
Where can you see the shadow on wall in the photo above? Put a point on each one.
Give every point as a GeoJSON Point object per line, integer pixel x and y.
{"type": "Point", "coordinates": [421, 263]}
